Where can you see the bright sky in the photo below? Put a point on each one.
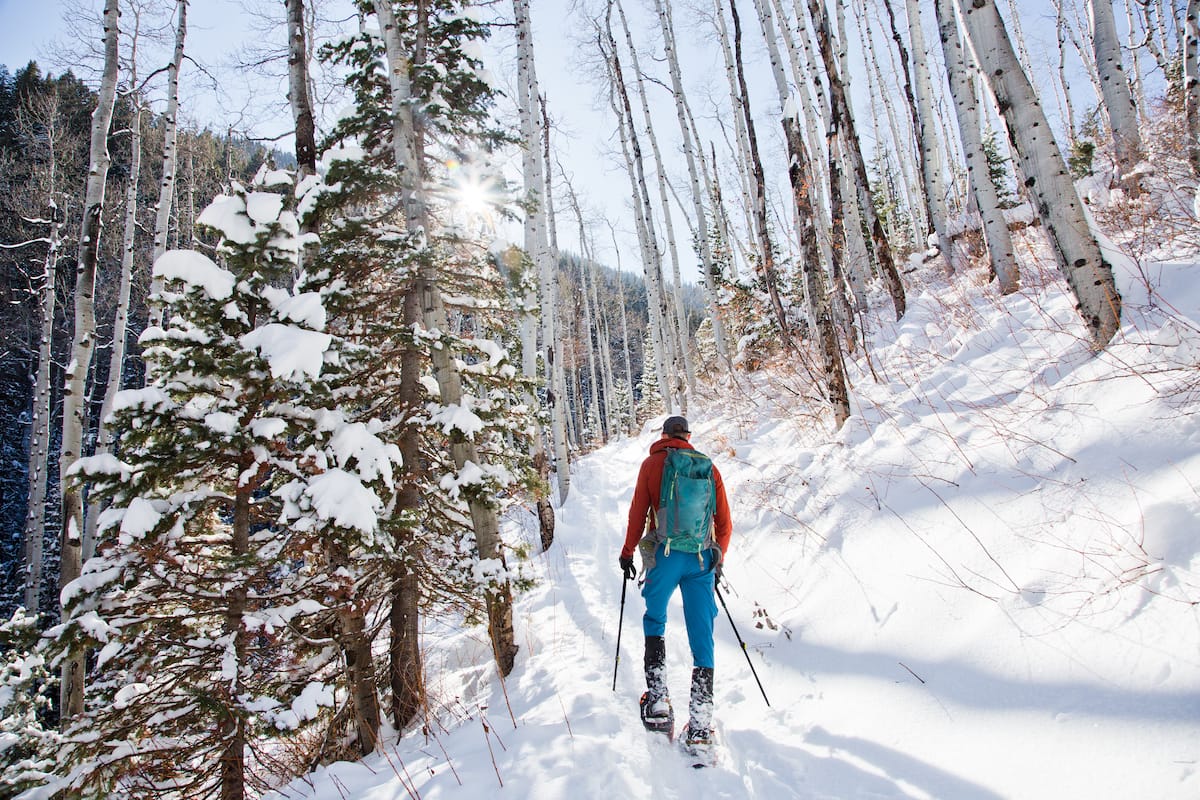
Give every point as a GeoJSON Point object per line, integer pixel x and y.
{"type": "Point", "coordinates": [585, 138]}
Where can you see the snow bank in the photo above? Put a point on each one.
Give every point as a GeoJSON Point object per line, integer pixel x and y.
{"type": "Point", "coordinates": [984, 586]}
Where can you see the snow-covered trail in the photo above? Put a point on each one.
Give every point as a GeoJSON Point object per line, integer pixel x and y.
{"type": "Point", "coordinates": [984, 586]}
{"type": "Point", "coordinates": [847, 719]}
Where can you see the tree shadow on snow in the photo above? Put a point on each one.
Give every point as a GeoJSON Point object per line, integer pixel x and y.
{"type": "Point", "coordinates": [962, 684]}
{"type": "Point", "coordinates": [828, 766]}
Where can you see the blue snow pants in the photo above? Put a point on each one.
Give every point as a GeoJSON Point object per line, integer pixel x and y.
{"type": "Point", "coordinates": [692, 574]}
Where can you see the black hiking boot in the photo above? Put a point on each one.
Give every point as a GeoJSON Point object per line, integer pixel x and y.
{"type": "Point", "coordinates": [655, 705]}
{"type": "Point", "coordinates": [698, 737]}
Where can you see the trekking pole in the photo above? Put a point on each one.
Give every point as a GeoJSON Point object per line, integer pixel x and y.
{"type": "Point", "coordinates": [743, 644]}
{"type": "Point", "coordinates": [620, 623]}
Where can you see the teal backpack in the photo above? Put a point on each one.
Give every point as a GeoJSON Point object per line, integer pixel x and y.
{"type": "Point", "coordinates": [687, 501]}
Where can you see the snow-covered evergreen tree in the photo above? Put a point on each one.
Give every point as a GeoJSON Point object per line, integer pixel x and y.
{"type": "Point", "coordinates": [26, 747]}
{"type": "Point", "coordinates": [234, 467]}
{"type": "Point", "coordinates": [373, 242]}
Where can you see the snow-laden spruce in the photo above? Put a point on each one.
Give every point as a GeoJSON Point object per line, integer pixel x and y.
{"type": "Point", "coordinates": [233, 486]}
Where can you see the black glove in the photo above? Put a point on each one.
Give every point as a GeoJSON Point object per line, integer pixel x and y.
{"type": "Point", "coordinates": [718, 570]}
{"type": "Point", "coordinates": [627, 567]}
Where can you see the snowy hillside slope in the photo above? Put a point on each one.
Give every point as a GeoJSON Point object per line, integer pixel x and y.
{"type": "Point", "coordinates": [983, 587]}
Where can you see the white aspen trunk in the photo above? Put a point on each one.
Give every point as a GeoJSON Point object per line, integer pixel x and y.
{"type": "Point", "coordinates": [674, 319]}
{"type": "Point", "coordinates": [1019, 39]}
{"type": "Point", "coordinates": [713, 192]}
{"type": "Point", "coordinates": [800, 177]}
{"type": "Point", "coordinates": [840, 104]}
{"type": "Point", "coordinates": [631, 427]}
{"type": "Point", "coordinates": [1191, 84]}
{"type": "Point", "coordinates": [1156, 34]}
{"type": "Point", "coordinates": [646, 239]}
{"type": "Point", "coordinates": [689, 144]}
{"type": "Point", "coordinates": [166, 188]}
{"type": "Point", "coordinates": [82, 346]}
{"type": "Point", "coordinates": [603, 332]}
{"type": "Point", "coordinates": [914, 196]}
{"type": "Point", "coordinates": [766, 266]}
{"type": "Point", "coordinates": [1064, 86]}
{"type": "Point", "coordinates": [742, 153]}
{"type": "Point", "coordinates": [1118, 99]}
{"type": "Point", "coordinates": [534, 168]}
{"type": "Point", "coordinates": [1137, 83]}
{"type": "Point", "coordinates": [39, 428]}
{"type": "Point", "coordinates": [599, 319]}
{"type": "Point", "coordinates": [789, 105]}
{"type": "Point", "coordinates": [555, 348]}
{"type": "Point", "coordinates": [1086, 56]}
{"type": "Point", "coordinates": [598, 324]}
{"type": "Point", "coordinates": [303, 124]}
{"type": "Point", "coordinates": [926, 126]}
{"type": "Point", "coordinates": [407, 146]}
{"type": "Point", "coordinates": [959, 75]}
{"type": "Point", "coordinates": [1178, 26]}
{"type": "Point", "coordinates": [298, 96]}
{"type": "Point", "coordinates": [589, 330]}
{"type": "Point", "coordinates": [1079, 256]}
{"type": "Point", "coordinates": [814, 102]}
{"type": "Point", "coordinates": [116, 360]}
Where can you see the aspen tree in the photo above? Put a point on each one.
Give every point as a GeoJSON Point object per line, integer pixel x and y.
{"type": "Point", "coordinates": [1191, 85]}
{"type": "Point", "coordinates": [1156, 39]}
{"type": "Point", "coordinates": [742, 157]}
{"type": "Point", "coordinates": [535, 170]}
{"type": "Point", "coordinates": [800, 178]}
{"type": "Point", "coordinates": [673, 383]}
{"type": "Point", "coordinates": [552, 345]}
{"type": "Point", "coordinates": [918, 91]}
{"type": "Point", "coordinates": [674, 319]}
{"type": "Point", "coordinates": [116, 359]}
{"type": "Point", "coordinates": [1114, 84]}
{"type": "Point", "coordinates": [1137, 82]}
{"type": "Point", "coordinates": [995, 228]}
{"type": "Point", "coordinates": [766, 264]}
{"type": "Point", "coordinates": [634, 167]}
{"type": "Point", "coordinates": [665, 21]}
{"type": "Point", "coordinates": [914, 195]}
{"type": "Point", "coordinates": [1047, 179]}
{"type": "Point", "coordinates": [41, 121]}
{"type": "Point", "coordinates": [841, 113]}
{"type": "Point", "coordinates": [1064, 87]}
{"type": "Point", "coordinates": [1077, 33]}
{"type": "Point", "coordinates": [166, 187]}
{"type": "Point", "coordinates": [622, 304]}
{"type": "Point", "coordinates": [298, 95]}
{"type": "Point", "coordinates": [809, 95]}
{"type": "Point", "coordinates": [83, 345]}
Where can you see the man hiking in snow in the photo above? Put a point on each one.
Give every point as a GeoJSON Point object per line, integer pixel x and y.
{"type": "Point", "coordinates": [679, 521]}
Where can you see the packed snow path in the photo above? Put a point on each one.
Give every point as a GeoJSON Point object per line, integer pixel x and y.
{"type": "Point", "coordinates": [846, 720]}
{"type": "Point", "coordinates": [983, 587]}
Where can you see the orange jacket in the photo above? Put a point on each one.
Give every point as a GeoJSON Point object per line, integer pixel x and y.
{"type": "Point", "coordinates": [649, 488]}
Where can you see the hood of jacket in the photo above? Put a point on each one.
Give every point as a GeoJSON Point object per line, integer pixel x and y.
{"type": "Point", "coordinates": [663, 445]}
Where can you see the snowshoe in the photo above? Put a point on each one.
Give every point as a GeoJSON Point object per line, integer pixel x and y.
{"type": "Point", "coordinates": [657, 715]}
{"type": "Point", "coordinates": [700, 747]}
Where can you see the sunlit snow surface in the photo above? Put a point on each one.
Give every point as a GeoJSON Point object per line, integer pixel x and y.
{"type": "Point", "coordinates": [982, 587]}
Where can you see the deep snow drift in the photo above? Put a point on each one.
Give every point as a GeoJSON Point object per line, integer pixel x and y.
{"type": "Point", "coordinates": [984, 586]}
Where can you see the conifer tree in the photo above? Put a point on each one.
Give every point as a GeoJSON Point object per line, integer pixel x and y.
{"type": "Point", "coordinates": [235, 466]}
